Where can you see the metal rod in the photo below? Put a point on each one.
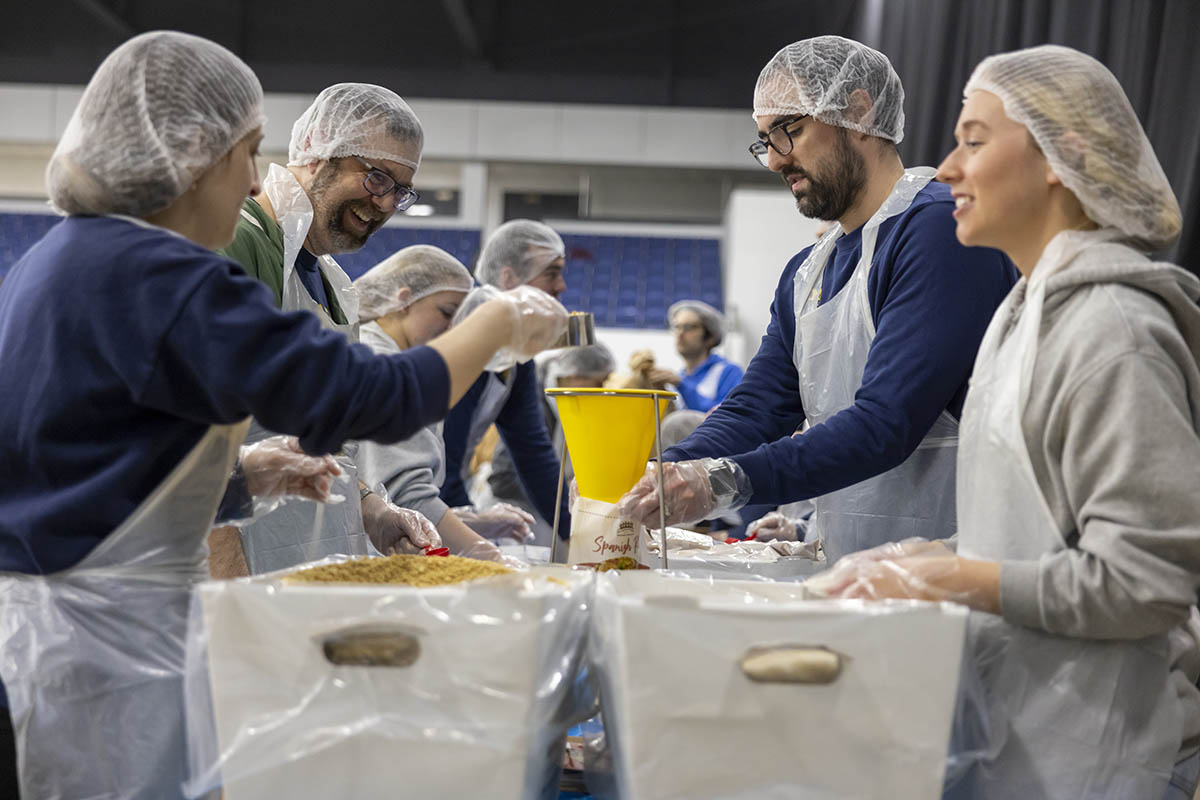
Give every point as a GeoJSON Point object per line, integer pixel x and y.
{"type": "Point", "coordinates": [562, 474]}
{"type": "Point", "coordinates": [662, 497]}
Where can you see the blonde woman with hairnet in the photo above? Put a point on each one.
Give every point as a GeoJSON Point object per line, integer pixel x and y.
{"type": "Point", "coordinates": [1078, 510]}
{"type": "Point", "coordinates": [521, 253]}
{"type": "Point", "coordinates": [136, 355]}
{"type": "Point", "coordinates": [872, 333]}
{"type": "Point", "coordinates": [404, 301]}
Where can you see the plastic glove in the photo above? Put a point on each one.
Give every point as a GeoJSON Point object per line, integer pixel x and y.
{"type": "Point", "coordinates": [486, 551]}
{"type": "Point", "coordinates": [397, 530]}
{"type": "Point", "coordinates": [498, 521]}
{"type": "Point", "coordinates": [694, 490]}
{"type": "Point", "coordinates": [278, 467]}
{"type": "Point", "coordinates": [538, 322]}
{"type": "Point", "coordinates": [901, 570]}
{"type": "Point", "coordinates": [777, 526]}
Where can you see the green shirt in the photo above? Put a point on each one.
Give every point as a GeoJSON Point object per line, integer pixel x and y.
{"type": "Point", "coordinates": [258, 247]}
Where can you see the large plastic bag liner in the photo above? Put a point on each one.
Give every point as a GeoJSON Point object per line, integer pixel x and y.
{"type": "Point", "coordinates": [473, 686]}
{"type": "Point", "coordinates": [743, 689]}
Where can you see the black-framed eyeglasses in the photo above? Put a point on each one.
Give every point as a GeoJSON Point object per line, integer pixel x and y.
{"type": "Point", "coordinates": [380, 184]}
{"type": "Point", "coordinates": [779, 139]}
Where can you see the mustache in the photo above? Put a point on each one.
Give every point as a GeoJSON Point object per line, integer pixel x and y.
{"type": "Point", "coordinates": [369, 211]}
{"type": "Point", "coordinates": [789, 172]}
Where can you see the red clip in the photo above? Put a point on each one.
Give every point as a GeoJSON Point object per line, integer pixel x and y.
{"type": "Point", "coordinates": [436, 551]}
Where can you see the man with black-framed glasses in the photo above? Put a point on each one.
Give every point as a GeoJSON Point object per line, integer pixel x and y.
{"type": "Point", "coordinates": [873, 331]}
{"type": "Point", "coordinates": [351, 162]}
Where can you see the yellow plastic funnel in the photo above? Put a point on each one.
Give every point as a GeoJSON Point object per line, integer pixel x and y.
{"type": "Point", "coordinates": [609, 434]}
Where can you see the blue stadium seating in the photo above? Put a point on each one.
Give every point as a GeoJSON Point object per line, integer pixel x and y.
{"type": "Point", "coordinates": [626, 281]}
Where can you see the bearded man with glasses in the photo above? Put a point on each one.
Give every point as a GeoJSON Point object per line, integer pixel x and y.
{"type": "Point", "coordinates": [351, 162]}
{"type": "Point", "coordinates": [873, 331]}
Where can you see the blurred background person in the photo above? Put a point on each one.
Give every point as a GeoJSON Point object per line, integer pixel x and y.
{"type": "Point", "coordinates": [521, 252]}
{"type": "Point", "coordinates": [706, 377]}
{"type": "Point", "coordinates": [569, 368]}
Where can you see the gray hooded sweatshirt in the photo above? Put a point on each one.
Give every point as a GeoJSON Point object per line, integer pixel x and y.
{"type": "Point", "coordinates": [1113, 430]}
{"type": "Point", "coordinates": [412, 471]}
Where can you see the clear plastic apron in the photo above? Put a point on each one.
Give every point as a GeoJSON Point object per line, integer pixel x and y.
{"type": "Point", "coordinates": [92, 657]}
{"type": "Point", "coordinates": [300, 531]}
{"type": "Point", "coordinates": [1086, 718]}
{"type": "Point", "coordinates": [915, 498]}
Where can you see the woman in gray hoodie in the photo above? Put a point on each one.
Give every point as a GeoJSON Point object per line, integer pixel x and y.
{"type": "Point", "coordinates": [1079, 457]}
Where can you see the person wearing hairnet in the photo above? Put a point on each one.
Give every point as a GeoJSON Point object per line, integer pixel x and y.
{"type": "Point", "coordinates": [351, 161]}
{"type": "Point", "coordinates": [585, 367]}
{"type": "Point", "coordinates": [141, 354]}
{"type": "Point", "coordinates": [1078, 511]}
{"type": "Point", "coordinates": [522, 252]}
{"type": "Point", "coordinates": [706, 377]}
{"type": "Point", "coordinates": [404, 301]}
{"type": "Point", "coordinates": [873, 330]}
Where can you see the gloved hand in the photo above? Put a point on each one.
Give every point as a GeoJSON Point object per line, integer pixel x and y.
{"type": "Point", "coordinates": [498, 521]}
{"type": "Point", "coordinates": [694, 490]}
{"type": "Point", "coordinates": [397, 530]}
{"type": "Point", "coordinates": [776, 526]}
{"type": "Point", "coordinates": [277, 467]}
{"type": "Point", "coordinates": [910, 569]}
{"type": "Point", "coordinates": [538, 321]}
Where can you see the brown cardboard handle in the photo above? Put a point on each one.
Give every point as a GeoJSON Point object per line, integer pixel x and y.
{"type": "Point", "coordinates": [371, 647]}
{"type": "Point", "coordinates": [792, 664]}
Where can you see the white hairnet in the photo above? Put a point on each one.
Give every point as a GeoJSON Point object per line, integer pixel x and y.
{"type": "Point", "coordinates": [160, 110]}
{"type": "Point", "coordinates": [819, 77]}
{"type": "Point", "coordinates": [712, 320]}
{"type": "Point", "coordinates": [422, 269]}
{"type": "Point", "coordinates": [592, 361]}
{"type": "Point", "coordinates": [357, 119]}
{"type": "Point", "coordinates": [1082, 121]}
{"type": "Point", "coordinates": [679, 425]}
{"type": "Point", "coordinates": [525, 245]}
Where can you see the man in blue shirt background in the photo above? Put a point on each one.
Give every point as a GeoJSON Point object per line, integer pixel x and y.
{"type": "Point", "coordinates": [706, 377]}
{"type": "Point", "coordinates": [873, 329]}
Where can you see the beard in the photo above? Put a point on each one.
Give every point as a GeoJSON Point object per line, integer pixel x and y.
{"type": "Point", "coordinates": [830, 193]}
{"type": "Point", "coordinates": [330, 215]}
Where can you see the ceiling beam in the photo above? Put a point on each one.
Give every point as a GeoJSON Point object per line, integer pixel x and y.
{"type": "Point", "coordinates": [108, 17]}
{"type": "Point", "coordinates": [464, 28]}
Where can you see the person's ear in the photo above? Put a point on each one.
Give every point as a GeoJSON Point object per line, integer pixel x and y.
{"type": "Point", "coordinates": [508, 278]}
{"type": "Point", "coordinates": [402, 297]}
{"type": "Point", "coordinates": [1072, 149]}
{"type": "Point", "coordinates": [858, 107]}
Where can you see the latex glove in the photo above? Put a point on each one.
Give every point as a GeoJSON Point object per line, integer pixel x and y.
{"type": "Point", "coordinates": [776, 527]}
{"type": "Point", "coordinates": [498, 521]}
{"type": "Point", "coordinates": [538, 322]}
{"type": "Point", "coordinates": [397, 530]}
{"type": "Point", "coordinates": [278, 467]}
{"type": "Point", "coordinates": [694, 490]}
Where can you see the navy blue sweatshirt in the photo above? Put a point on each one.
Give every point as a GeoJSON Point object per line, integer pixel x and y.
{"type": "Point", "coordinates": [931, 300]}
{"type": "Point", "coordinates": [523, 429]}
{"type": "Point", "coordinates": [121, 344]}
